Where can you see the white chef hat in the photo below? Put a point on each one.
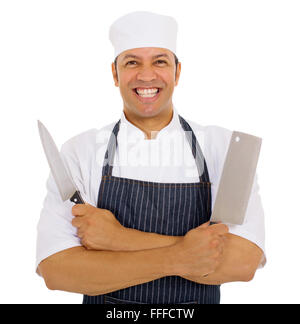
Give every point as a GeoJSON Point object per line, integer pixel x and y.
{"type": "Point", "coordinates": [143, 29]}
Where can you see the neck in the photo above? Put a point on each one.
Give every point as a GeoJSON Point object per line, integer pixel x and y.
{"type": "Point", "coordinates": [150, 125]}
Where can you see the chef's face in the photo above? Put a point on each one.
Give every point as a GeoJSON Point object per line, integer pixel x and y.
{"type": "Point", "coordinates": [146, 78]}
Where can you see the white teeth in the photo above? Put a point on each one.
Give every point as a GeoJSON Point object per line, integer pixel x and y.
{"type": "Point", "coordinates": [147, 93]}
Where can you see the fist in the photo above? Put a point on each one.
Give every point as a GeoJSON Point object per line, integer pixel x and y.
{"type": "Point", "coordinates": [199, 252]}
{"type": "Point", "coordinates": [98, 229]}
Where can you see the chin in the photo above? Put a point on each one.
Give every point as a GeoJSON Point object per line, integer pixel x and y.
{"type": "Point", "coordinates": [148, 111]}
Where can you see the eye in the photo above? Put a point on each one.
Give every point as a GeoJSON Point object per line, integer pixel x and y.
{"type": "Point", "coordinates": [131, 63]}
{"type": "Point", "coordinates": [161, 62]}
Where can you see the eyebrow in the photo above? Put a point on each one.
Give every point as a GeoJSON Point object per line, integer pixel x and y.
{"type": "Point", "coordinates": [137, 57]}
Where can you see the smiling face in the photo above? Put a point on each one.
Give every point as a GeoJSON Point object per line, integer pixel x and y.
{"type": "Point", "coordinates": [146, 78]}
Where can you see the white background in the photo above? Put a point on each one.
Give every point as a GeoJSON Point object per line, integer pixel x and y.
{"type": "Point", "coordinates": [240, 70]}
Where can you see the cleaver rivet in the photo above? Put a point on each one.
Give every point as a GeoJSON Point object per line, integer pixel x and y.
{"type": "Point", "coordinates": [237, 139]}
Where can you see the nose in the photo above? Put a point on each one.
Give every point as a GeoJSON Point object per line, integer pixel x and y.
{"type": "Point", "coordinates": [146, 74]}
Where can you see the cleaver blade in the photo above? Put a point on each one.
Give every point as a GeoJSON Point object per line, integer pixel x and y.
{"type": "Point", "coordinates": [237, 179]}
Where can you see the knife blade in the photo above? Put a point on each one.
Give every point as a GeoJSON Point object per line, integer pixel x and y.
{"type": "Point", "coordinates": [64, 182]}
{"type": "Point", "coordinates": [237, 179]}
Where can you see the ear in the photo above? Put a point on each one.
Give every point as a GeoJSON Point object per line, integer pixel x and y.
{"type": "Point", "coordinates": [115, 74]}
{"type": "Point", "coordinates": [177, 73]}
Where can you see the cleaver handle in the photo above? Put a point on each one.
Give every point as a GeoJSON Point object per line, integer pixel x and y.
{"type": "Point", "coordinates": [76, 198]}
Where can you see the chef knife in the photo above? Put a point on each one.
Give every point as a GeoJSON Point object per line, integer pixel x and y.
{"type": "Point", "coordinates": [64, 182]}
{"type": "Point", "coordinates": [237, 179]}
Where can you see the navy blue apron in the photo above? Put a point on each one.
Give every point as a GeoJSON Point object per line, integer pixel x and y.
{"type": "Point", "coordinates": [163, 208]}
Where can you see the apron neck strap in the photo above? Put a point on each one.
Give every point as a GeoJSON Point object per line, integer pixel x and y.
{"type": "Point", "coordinates": [110, 151]}
{"type": "Point", "coordinates": [196, 150]}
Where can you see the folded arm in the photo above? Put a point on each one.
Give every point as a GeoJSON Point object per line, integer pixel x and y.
{"type": "Point", "coordinates": [98, 229]}
{"type": "Point", "coordinates": [92, 273]}
{"type": "Point", "coordinates": [239, 261]}
{"type": "Point", "coordinates": [128, 257]}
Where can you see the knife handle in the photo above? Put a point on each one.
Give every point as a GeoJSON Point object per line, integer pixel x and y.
{"type": "Point", "coordinates": [76, 198]}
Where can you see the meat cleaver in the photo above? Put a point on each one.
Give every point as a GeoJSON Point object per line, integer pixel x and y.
{"type": "Point", "coordinates": [237, 179]}
{"type": "Point", "coordinates": [64, 182]}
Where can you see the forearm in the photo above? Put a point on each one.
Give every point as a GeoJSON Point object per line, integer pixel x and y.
{"type": "Point", "coordinates": [100, 230]}
{"type": "Point", "coordinates": [135, 240]}
{"type": "Point", "coordinates": [240, 260]}
{"type": "Point", "coordinates": [98, 272]}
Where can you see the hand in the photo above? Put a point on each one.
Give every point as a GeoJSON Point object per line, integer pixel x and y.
{"type": "Point", "coordinates": [97, 228]}
{"type": "Point", "coordinates": [199, 252]}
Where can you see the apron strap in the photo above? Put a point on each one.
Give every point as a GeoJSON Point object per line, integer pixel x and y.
{"type": "Point", "coordinates": [192, 140]}
{"type": "Point", "coordinates": [196, 150]}
{"type": "Point", "coordinates": [111, 150]}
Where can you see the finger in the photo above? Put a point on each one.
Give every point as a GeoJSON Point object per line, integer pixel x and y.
{"type": "Point", "coordinates": [224, 238]}
{"type": "Point", "coordinates": [223, 242]}
{"type": "Point", "coordinates": [216, 241]}
{"type": "Point", "coordinates": [220, 247]}
{"type": "Point", "coordinates": [76, 222]}
{"type": "Point", "coordinates": [80, 234]}
{"type": "Point", "coordinates": [218, 244]}
{"type": "Point", "coordinates": [80, 209]}
{"type": "Point", "coordinates": [219, 229]}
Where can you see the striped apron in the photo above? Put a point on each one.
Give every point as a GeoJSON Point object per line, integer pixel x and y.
{"type": "Point", "coordinates": [163, 208]}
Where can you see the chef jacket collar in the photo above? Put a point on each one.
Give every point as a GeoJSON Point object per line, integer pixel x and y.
{"type": "Point", "coordinates": [135, 132]}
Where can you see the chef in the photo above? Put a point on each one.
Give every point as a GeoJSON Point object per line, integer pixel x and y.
{"type": "Point", "coordinates": [149, 181]}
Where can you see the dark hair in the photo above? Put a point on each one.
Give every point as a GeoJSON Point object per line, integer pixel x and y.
{"type": "Point", "coordinates": [175, 57]}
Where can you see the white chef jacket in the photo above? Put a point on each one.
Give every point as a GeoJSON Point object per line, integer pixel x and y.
{"type": "Point", "coordinates": [167, 159]}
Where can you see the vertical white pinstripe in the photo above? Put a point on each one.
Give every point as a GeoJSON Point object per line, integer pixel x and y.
{"type": "Point", "coordinates": [169, 214]}
{"type": "Point", "coordinates": [172, 233]}
{"type": "Point", "coordinates": [183, 213]}
{"type": "Point", "coordinates": [161, 231]}
{"type": "Point", "coordinates": [188, 283]}
{"type": "Point", "coordinates": [115, 195]}
{"type": "Point", "coordinates": [157, 215]}
{"type": "Point", "coordinates": [123, 185]}
{"type": "Point", "coordinates": [195, 223]}
{"type": "Point", "coordinates": [139, 226]}
{"type": "Point", "coordinates": [112, 190]}
{"type": "Point", "coordinates": [130, 204]}
{"type": "Point", "coordinates": [106, 183]}
{"type": "Point", "coordinates": [142, 212]}
{"type": "Point", "coordinates": [145, 226]}
{"type": "Point", "coordinates": [201, 200]}
{"type": "Point", "coordinates": [136, 200]}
